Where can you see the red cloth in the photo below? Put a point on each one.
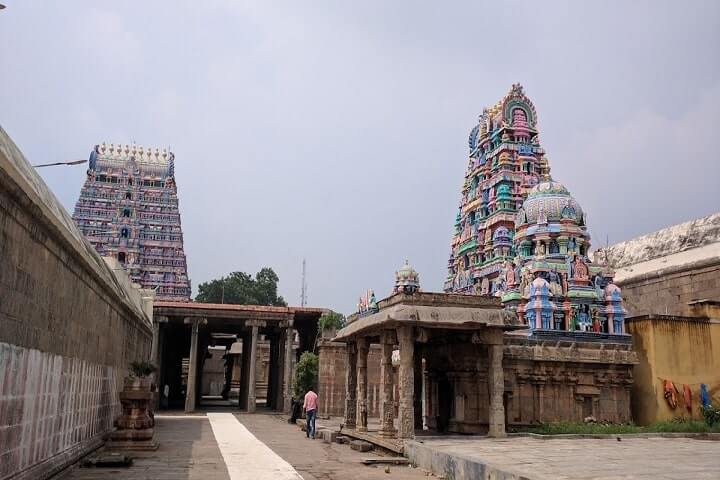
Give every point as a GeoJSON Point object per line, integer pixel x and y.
{"type": "Point", "coordinates": [310, 401]}
{"type": "Point", "coordinates": [687, 397]}
{"type": "Point", "coordinates": [669, 393]}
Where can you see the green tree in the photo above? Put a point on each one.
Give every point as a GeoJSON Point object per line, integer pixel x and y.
{"type": "Point", "coordinates": [331, 320]}
{"type": "Point", "coordinates": [241, 288]}
{"type": "Point", "coordinates": [306, 374]}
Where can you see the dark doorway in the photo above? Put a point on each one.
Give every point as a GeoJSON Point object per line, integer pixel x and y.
{"type": "Point", "coordinates": [445, 401]}
{"type": "Point", "coordinates": [173, 373]}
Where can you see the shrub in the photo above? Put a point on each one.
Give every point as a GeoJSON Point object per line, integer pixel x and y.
{"type": "Point", "coordinates": [711, 415]}
{"type": "Point", "coordinates": [671, 426]}
{"type": "Point", "coordinates": [141, 369]}
{"type": "Point", "coordinates": [306, 374]}
{"type": "Point", "coordinates": [331, 320]}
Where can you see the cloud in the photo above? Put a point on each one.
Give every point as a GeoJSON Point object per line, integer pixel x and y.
{"type": "Point", "coordinates": [108, 40]}
{"type": "Point", "coordinates": [646, 171]}
{"type": "Point", "coordinates": [337, 131]}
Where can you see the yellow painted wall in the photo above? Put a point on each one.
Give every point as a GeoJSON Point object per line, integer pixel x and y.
{"type": "Point", "coordinates": [685, 351]}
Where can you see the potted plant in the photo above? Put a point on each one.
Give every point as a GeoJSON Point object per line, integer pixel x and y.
{"type": "Point", "coordinates": [139, 378]}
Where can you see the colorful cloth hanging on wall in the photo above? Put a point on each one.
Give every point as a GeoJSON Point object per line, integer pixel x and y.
{"type": "Point", "coordinates": [704, 396]}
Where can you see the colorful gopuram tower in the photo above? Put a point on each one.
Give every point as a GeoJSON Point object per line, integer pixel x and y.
{"type": "Point", "coordinates": [128, 209]}
{"type": "Point", "coordinates": [551, 284]}
{"type": "Point", "coordinates": [505, 161]}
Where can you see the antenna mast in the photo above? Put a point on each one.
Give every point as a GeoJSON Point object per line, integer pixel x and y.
{"type": "Point", "coordinates": [303, 287]}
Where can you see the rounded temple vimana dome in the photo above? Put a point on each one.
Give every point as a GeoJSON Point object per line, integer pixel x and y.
{"type": "Point", "coordinates": [546, 202]}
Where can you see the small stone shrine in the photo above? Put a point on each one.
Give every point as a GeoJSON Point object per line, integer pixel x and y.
{"type": "Point", "coordinates": [135, 427]}
{"type": "Point", "coordinates": [407, 280]}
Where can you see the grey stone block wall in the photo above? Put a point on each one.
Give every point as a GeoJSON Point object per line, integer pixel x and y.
{"type": "Point", "coordinates": [667, 292]}
{"type": "Point", "coordinates": [68, 330]}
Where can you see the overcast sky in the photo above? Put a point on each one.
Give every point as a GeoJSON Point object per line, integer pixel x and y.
{"type": "Point", "coordinates": [337, 131]}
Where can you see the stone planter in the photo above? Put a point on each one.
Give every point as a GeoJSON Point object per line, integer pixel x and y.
{"type": "Point", "coordinates": [135, 425]}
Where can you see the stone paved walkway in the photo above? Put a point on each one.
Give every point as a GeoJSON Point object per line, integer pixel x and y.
{"type": "Point", "coordinates": [596, 459]}
{"type": "Point", "coordinates": [316, 460]}
{"type": "Point", "coordinates": [225, 446]}
{"type": "Point", "coordinates": [257, 447]}
{"type": "Point", "coordinates": [245, 456]}
{"type": "Point", "coordinates": [188, 450]}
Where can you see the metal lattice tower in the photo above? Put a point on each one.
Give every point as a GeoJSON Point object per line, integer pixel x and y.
{"type": "Point", "coordinates": [303, 287]}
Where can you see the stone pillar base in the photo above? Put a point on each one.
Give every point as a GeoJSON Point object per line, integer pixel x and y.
{"type": "Point", "coordinates": [388, 434]}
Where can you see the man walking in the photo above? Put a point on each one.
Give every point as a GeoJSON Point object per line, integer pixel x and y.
{"type": "Point", "coordinates": [310, 407]}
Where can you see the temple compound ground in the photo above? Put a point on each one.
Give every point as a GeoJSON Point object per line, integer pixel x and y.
{"type": "Point", "coordinates": [265, 446]}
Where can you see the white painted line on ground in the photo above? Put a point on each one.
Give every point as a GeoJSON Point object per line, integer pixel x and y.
{"type": "Point", "coordinates": [246, 457]}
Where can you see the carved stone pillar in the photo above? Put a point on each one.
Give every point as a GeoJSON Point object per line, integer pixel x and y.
{"type": "Point", "coordinates": [235, 363]}
{"type": "Point", "coordinates": [156, 359]}
{"type": "Point", "coordinates": [496, 385]}
{"type": "Point", "coordinates": [427, 400]}
{"type": "Point", "coordinates": [287, 366]}
{"type": "Point", "coordinates": [193, 364]}
{"type": "Point", "coordinates": [387, 406]}
{"type": "Point", "coordinates": [351, 386]}
{"type": "Point", "coordinates": [252, 352]}
{"type": "Point", "coordinates": [156, 340]}
{"type": "Point", "coordinates": [406, 376]}
{"type": "Point", "coordinates": [361, 413]}
{"type": "Point", "coordinates": [418, 389]}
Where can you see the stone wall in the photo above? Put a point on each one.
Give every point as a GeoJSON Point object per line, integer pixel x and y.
{"type": "Point", "coordinates": [661, 272]}
{"type": "Point", "coordinates": [551, 381]}
{"type": "Point", "coordinates": [68, 330]}
{"type": "Point", "coordinates": [683, 350]}
{"type": "Point", "coordinates": [331, 379]}
{"type": "Point", "coordinates": [668, 291]}
{"type": "Point", "coordinates": [213, 372]}
{"type": "Point", "coordinates": [331, 387]}
{"type": "Point", "coordinates": [545, 381]}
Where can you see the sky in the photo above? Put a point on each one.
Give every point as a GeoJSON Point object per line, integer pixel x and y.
{"type": "Point", "coordinates": [336, 131]}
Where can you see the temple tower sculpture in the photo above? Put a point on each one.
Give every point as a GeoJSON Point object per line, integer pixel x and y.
{"type": "Point", "coordinates": [551, 284]}
{"type": "Point", "coordinates": [128, 209]}
{"type": "Point", "coordinates": [505, 162]}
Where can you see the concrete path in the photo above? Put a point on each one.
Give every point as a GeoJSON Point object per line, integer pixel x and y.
{"type": "Point", "coordinates": [580, 458]}
{"type": "Point", "coordinates": [245, 456]}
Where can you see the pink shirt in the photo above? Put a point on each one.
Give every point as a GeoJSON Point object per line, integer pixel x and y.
{"type": "Point", "coordinates": [310, 401]}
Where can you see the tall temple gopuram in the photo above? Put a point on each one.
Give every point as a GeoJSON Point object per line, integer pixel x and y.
{"type": "Point", "coordinates": [521, 236]}
{"type": "Point", "coordinates": [505, 161]}
{"type": "Point", "coordinates": [128, 209]}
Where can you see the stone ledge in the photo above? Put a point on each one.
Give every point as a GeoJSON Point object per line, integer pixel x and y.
{"type": "Point", "coordinates": [604, 436]}
{"type": "Point", "coordinates": [395, 446]}
{"type": "Point", "coordinates": [454, 466]}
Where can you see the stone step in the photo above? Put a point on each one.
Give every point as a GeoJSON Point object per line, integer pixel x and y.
{"type": "Point", "coordinates": [361, 445]}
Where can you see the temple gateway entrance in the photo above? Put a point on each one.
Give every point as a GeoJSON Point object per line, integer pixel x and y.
{"type": "Point", "coordinates": [219, 355]}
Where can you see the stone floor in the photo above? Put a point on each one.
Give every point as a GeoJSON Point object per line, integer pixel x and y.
{"type": "Point", "coordinates": [188, 450]}
{"type": "Point", "coordinates": [230, 446]}
{"type": "Point", "coordinates": [223, 446]}
{"type": "Point", "coordinates": [598, 459]}
{"type": "Point", "coordinates": [316, 460]}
